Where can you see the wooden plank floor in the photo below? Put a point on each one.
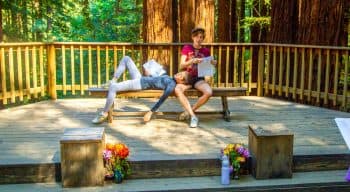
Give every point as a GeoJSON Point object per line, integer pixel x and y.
{"type": "Point", "coordinates": [31, 133]}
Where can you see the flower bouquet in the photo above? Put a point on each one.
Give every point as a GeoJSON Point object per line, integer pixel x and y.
{"type": "Point", "coordinates": [115, 161]}
{"type": "Point", "coordinates": [237, 155]}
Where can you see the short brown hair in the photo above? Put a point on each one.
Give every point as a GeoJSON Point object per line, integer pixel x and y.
{"type": "Point", "coordinates": [197, 31]}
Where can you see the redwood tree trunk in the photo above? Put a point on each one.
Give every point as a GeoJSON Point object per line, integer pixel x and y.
{"type": "Point", "coordinates": [283, 21]}
{"type": "Point", "coordinates": [158, 28]}
{"type": "Point", "coordinates": [227, 32]}
{"type": "Point", "coordinates": [196, 13]}
{"type": "Point", "coordinates": [321, 22]}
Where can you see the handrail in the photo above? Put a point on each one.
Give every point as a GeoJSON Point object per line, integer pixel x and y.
{"type": "Point", "coordinates": [318, 75]}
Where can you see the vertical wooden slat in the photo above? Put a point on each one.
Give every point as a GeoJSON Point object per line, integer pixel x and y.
{"type": "Point", "coordinates": [235, 73]}
{"type": "Point", "coordinates": [115, 58]}
{"type": "Point", "coordinates": [98, 66]}
{"type": "Point", "coordinates": [319, 76]}
{"type": "Point", "coordinates": [12, 76]}
{"type": "Point", "coordinates": [64, 74]}
{"type": "Point", "coordinates": [107, 64]}
{"type": "Point", "coordinates": [235, 62]}
{"type": "Point", "coordinates": [72, 68]}
{"type": "Point", "coordinates": [41, 68]}
{"type": "Point", "coordinates": [90, 65]}
{"type": "Point", "coordinates": [295, 73]}
{"type": "Point", "coordinates": [274, 71]}
{"type": "Point", "coordinates": [141, 59]}
{"type": "Point", "coordinates": [20, 73]}
{"type": "Point", "coordinates": [227, 66]}
{"type": "Point", "coordinates": [51, 63]}
{"type": "Point", "coordinates": [34, 71]}
{"type": "Point", "coordinates": [250, 69]}
{"type": "Point", "coordinates": [3, 75]}
{"type": "Point", "coordinates": [345, 87]}
{"type": "Point", "coordinates": [287, 72]}
{"type": "Point", "coordinates": [124, 53]}
{"type": "Point", "coordinates": [326, 83]}
{"type": "Point", "coordinates": [280, 76]}
{"type": "Point", "coordinates": [302, 76]}
{"type": "Point", "coordinates": [242, 66]}
{"type": "Point", "coordinates": [179, 58]}
{"type": "Point", "coordinates": [219, 67]}
{"type": "Point", "coordinates": [260, 72]}
{"type": "Point", "coordinates": [267, 70]}
{"type": "Point", "coordinates": [171, 68]}
{"type": "Point", "coordinates": [310, 76]}
{"type": "Point", "coordinates": [336, 74]}
{"type": "Point", "coordinates": [27, 71]}
{"type": "Point", "coordinates": [81, 70]}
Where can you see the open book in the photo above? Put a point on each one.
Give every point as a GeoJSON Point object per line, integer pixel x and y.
{"type": "Point", "coordinates": [205, 68]}
{"type": "Point", "coordinates": [154, 68]}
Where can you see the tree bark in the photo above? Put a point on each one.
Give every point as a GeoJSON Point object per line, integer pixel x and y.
{"type": "Point", "coordinates": [157, 27]}
{"type": "Point", "coordinates": [283, 21]}
{"type": "Point", "coordinates": [321, 22]}
{"type": "Point", "coordinates": [196, 13]}
{"type": "Point", "coordinates": [227, 32]}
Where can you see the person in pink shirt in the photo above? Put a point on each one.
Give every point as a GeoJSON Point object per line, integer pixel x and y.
{"type": "Point", "coordinates": [191, 56]}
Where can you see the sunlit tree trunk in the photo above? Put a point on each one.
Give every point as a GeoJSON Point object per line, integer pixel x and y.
{"type": "Point", "coordinates": [158, 27]}
{"type": "Point", "coordinates": [196, 13]}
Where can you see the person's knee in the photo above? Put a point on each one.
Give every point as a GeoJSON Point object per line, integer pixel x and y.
{"type": "Point", "coordinates": [178, 91]}
{"type": "Point", "coordinates": [208, 93]}
{"type": "Point", "coordinates": [126, 58]}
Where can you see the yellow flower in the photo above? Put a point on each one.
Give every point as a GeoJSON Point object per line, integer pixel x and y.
{"type": "Point", "coordinates": [241, 159]}
{"type": "Point", "coordinates": [226, 151]}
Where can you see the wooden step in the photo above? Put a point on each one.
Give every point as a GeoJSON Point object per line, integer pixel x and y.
{"type": "Point", "coordinates": [37, 173]}
{"type": "Point", "coordinates": [301, 182]}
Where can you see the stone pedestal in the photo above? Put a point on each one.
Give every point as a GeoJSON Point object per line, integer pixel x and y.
{"type": "Point", "coordinates": [271, 148]}
{"type": "Point", "coordinates": [81, 157]}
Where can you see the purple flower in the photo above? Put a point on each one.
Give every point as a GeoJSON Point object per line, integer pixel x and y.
{"type": "Point", "coordinates": [240, 150]}
{"type": "Point", "coordinates": [246, 153]}
{"type": "Point", "coordinates": [107, 154]}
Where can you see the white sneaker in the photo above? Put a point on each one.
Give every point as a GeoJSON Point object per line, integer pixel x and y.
{"type": "Point", "coordinates": [194, 122]}
{"type": "Point", "coordinates": [100, 117]}
{"type": "Point", "coordinates": [183, 116]}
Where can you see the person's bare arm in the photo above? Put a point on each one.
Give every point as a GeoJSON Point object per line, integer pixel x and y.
{"type": "Point", "coordinates": [184, 64]}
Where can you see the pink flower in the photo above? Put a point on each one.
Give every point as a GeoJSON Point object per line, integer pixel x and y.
{"type": "Point", "coordinates": [107, 154]}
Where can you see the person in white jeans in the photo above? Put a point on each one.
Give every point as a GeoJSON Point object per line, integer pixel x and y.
{"type": "Point", "coordinates": [159, 80]}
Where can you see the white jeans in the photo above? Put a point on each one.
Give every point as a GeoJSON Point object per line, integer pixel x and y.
{"type": "Point", "coordinates": [133, 84]}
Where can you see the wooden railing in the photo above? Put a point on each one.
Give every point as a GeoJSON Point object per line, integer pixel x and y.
{"type": "Point", "coordinates": [308, 74]}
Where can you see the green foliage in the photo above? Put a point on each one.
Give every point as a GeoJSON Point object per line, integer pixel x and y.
{"type": "Point", "coordinates": [257, 21]}
{"type": "Point", "coordinates": [71, 20]}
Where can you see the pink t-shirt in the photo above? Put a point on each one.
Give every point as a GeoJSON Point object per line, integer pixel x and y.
{"type": "Point", "coordinates": [191, 53]}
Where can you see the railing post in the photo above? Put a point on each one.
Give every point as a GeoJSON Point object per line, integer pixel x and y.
{"type": "Point", "coordinates": [51, 67]}
{"type": "Point", "coordinates": [260, 71]}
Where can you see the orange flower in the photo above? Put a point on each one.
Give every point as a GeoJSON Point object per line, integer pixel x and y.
{"type": "Point", "coordinates": [109, 146]}
{"type": "Point", "coordinates": [121, 150]}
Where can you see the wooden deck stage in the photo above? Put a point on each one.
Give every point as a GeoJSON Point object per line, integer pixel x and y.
{"type": "Point", "coordinates": [30, 134]}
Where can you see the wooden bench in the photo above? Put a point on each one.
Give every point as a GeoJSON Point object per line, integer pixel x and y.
{"type": "Point", "coordinates": [217, 92]}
